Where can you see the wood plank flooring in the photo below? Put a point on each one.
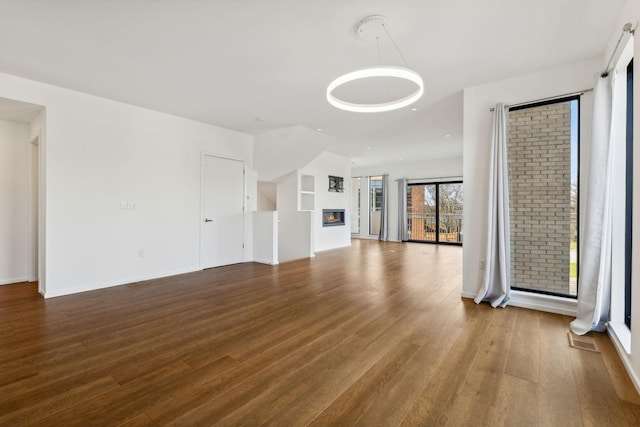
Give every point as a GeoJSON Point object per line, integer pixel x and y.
{"type": "Point", "coordinates": [372, 335]}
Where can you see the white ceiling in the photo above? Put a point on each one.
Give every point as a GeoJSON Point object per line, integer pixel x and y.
{"type": "Point", "coordinates": [229, 62]}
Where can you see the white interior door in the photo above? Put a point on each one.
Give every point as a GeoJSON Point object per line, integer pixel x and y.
{"type": "Point", "coordinates": [222, 211]}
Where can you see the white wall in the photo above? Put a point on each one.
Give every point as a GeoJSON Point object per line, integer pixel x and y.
{"type": "Point", "coordinates": [250, 206]}
{"type": "Point", "coordinates": [278, 152]}
{"type": "Point", "coordinates": [267, 193]}
{"type": "Point", "coordinates": [265, 237]}
{"type": "Point", "coordinates": [321, 167]}
{"type": "Point", "coordinates": [442, 168]}
{"type": "Point", "coordinates": [295, 230]}
{"type": "Point", "coordinates": [14, 201]}
{"type": "Point", "coordinates": [100, 152]}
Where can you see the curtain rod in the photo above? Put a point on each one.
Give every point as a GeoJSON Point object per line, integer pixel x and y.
{"type": "Point", "coordinates": [438, 178]}
{"type": "Point", "coordinates": [551, 98]}
{"type": "Point", "coordinates": [626, 29]}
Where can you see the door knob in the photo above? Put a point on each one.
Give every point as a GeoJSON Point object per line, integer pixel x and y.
{"type": "Point", "coordinates": [208, 220]}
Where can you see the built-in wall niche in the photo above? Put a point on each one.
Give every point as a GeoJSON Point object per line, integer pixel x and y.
{"type": "Point", "coordinates": [332, 217]}
{"type": "Point", "coordinates": [307, 192]}
{"type": "Point", "coordinates": [336, 184]}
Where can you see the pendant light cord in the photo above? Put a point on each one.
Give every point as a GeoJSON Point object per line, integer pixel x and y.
{"type": "Point", "coordinates": [384, 88]}
{"type": "Point", "coordinates": [395, 45]}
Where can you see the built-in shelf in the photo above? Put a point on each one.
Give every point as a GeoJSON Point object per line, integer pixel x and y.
{"type": "Point", "coordinates": [307, 183]}
{"type": "Point", "coordinates": [307, 193]}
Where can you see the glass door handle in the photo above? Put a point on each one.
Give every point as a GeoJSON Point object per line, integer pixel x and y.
{"type": "Point", "coordinates": [208, 220]}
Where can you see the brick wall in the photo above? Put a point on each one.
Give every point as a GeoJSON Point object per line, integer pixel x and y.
{"type": "Point", "coordinates": [539, 152]}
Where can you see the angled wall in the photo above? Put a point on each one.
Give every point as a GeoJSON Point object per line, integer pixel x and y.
{"type": "Point", "coordinates": [281, 151]}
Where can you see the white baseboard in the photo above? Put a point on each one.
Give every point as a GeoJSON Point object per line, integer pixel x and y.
{"type": "Point", "coordinates": [266, 261]}
{"type": "Point", "coordinates": [330, 249]}
{"type": "Point", "coordinates": [102, 285]}
{"type": "Point", "coordinates": [13, 280]}
{"type": "Point", "coordinates": [540, 302]}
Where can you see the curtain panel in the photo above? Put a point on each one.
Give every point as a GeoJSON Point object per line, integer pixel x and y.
{"type": "Point", "coordinates": [403, 235]}
{"type": "Point", "coordinates": [594, 270]}
{"type": "Point", "coordinates": [496, 287]}
{"type": "Point", "coordinates": [384, 210]}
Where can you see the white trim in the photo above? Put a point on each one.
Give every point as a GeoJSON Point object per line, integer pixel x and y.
{"type": "Point", "coordinates": [623, 335]}
{"type": "Point", "coordinates": [372, 237]}
{"type": "Point", "coordinates": [13, 280]}
{"type": "Point", "coordinates": [265, 261]}
{"type": "Point", "coordinates": [364, 237]}
{"type": "Point", "coordinates": [444, 179]}
{"type": "Point", "coordinates": [624, 356]}
{"type": "Point", "coordinates": [540, 302]}
{"type": "Point", "coordinates": [330, 249]}
{"type": "Point", "coordinates": [109, 284]}
{"type": "Point", "coordinates": [34, 198]}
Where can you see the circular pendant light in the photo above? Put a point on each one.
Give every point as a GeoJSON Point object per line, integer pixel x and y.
{"type": "Point", "coordinates": [373, 27]}
{"type": "Point", "coordinates": [382, 71]}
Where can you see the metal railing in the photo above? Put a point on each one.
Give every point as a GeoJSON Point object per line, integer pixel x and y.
{"type": "Point", "coordinates": [422, 226]}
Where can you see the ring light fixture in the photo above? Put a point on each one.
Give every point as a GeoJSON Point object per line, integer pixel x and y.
{"type": "Point", "coordinates": [372, 28]}
{"type": "Point", "coordinates": [382, 71]}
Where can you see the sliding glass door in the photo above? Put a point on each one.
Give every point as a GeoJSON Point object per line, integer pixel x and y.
{"type": "Point", "coordinates": [434, 212]}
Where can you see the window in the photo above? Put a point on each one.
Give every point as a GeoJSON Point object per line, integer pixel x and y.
{"type": "Point", "coordinates": [375, 204]}
{"type": "Point", "coordinates": [355, 205]}
{"type": "Point", "coordinates": [434, 212]}
{"type": "Point", "coordinates": [366, 205]}
{"type": "Point", "coordinates": [543, 153]}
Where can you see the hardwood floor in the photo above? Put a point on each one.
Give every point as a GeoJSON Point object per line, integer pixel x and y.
{"type": "Point", "coordinates": [373, 335]}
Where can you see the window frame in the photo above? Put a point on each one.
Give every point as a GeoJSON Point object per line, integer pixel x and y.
{"type": "Point", "coordinates": [437, 212]}
{"type": "Point", "coordinates": [560, 99]}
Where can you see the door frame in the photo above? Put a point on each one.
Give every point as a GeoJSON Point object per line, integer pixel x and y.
{"type": "Point", "coordinates": [33, 273]}
{"type": "Point", "coordinates": [437, 183]}
{"type": "Point", "coordinates": [203, 156]}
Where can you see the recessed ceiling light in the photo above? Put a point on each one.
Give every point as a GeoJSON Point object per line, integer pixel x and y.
{"type": "Point", "coordinates": [414, 109]}
{"type": "Point", "coordinates": [368, 147]}
{"type": "Point", "coordinates": [400, 158]}
{"type": "Point", "coordinates": [448, 135]}
{"type": "Point", "coordinates": [319, 129]}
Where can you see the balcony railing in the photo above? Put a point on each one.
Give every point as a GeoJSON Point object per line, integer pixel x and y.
{"type": "Point", "coordinates": [422, 226]}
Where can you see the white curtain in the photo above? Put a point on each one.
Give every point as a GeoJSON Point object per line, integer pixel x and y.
{"type": "Point", "coordinates": [594, 297]}
{"type": "Point", "coordinates": [496, 288]}
{"type": "Point", "coordinates": [384, 210]}
{"type": "Point", "coordinates": [402, 210]}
